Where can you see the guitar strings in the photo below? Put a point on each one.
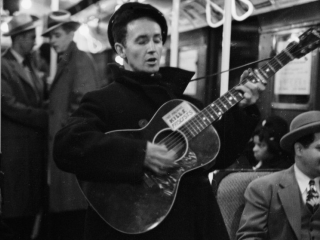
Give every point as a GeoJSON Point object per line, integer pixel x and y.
{"type": "Point", "coordinates": [175, 141]}
{"type": "Point", "coordinates": [280, 56]}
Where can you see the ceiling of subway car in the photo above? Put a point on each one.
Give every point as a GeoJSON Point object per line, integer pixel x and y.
{"type": "Point", "coordinates": [36, 7]}
{"type": "Point", "coordinates": [193, 14]}
{"type": "Point", "coordinates": [189, 9]}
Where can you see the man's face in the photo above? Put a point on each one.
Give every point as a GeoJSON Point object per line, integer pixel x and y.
{"type": "Point", "coordinates": [308, 160]}
{"type": "Point", "coordinates": [28, 40]}
{"type": "Point", "coordinates": [60, 39]}
{"type": "Point", "coordinates": [143, 47]}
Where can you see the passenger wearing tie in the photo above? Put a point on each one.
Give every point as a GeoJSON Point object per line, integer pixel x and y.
{"type": "Point", "coordinates": [24, 123]}
{"type": "Point", "coordinates": [285, 205]}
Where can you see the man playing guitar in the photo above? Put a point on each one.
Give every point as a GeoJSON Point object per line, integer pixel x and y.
{"type": "Point", "coordinates": [131, 173]}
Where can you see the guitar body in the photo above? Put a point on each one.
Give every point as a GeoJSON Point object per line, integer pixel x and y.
{"type": "Point", "coordinates": [140, 206]}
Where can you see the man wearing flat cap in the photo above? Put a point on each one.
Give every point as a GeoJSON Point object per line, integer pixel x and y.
{"type": "Point", "coordinates": [285, 205]}
{"type": "Point", "coordinates": [119, 171]}
{"type": "Point", "coordinates": [76, 74]}
{"type": "Point", "coordinates": [24, 122]}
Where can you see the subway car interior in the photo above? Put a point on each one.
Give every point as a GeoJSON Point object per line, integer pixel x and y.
{"type": "Point", "coordinates": [216, 39]}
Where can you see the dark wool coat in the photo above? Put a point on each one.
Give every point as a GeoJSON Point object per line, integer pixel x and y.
{"type": "Point", "coordinates": [76, 75]}
{"type": "Point", "coordinates": [24, 123]}
{"type": "Point", "coordinates": [131, 100]}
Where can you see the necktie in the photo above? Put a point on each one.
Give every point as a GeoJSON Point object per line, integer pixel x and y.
{"type": "Point", "coordinates": [312, 197]}
{"type": "Point", "coordinates": [26, 62]}
{"type": "Point", "coordinates": [31, 76]}
{"type": "Point", "coordinates": [27, 68]}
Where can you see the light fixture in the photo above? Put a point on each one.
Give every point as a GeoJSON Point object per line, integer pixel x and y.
{"type": "Point", "coordinates": [84, 30]}
{"type": "Point", "coordinates": [26, 4]}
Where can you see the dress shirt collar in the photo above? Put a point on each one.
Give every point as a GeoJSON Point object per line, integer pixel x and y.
{"type": "Point", "coordinates": [17, 56]}
{"type": "Point", "coordinates": [303, 180]}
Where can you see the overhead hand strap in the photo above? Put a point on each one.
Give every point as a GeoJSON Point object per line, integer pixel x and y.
{"type": "Point", "coordinates": [243, 16]}
{"type": "Point", "coordinates": [210, 5]}
{"type": "Point", "coordinates": [218, 9]}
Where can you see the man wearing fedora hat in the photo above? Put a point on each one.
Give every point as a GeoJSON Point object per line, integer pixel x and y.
{"type": "Point", "coordinates": [285, 205]}
{"type": "Point", "coordinates": [24, 122]}
{"type": "Point", "coordinates": [137, 33]}
{"type": "Point", "coordinates": [76, 74]}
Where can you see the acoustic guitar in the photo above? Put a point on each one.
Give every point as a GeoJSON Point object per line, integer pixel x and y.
{"type": "Point", "coordinates": [135, 208]}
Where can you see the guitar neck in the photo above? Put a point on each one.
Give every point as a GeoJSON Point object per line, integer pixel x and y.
{"type": "Point", "coordinates": [216, 109]}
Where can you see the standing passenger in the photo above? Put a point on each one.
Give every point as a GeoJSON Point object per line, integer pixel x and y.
{"type": "Point", "coordinates": [76, 74]}
{"type": "Point", "coordinates": [24, 124]}
{"type": "Point", "coordinates": [137, 33]}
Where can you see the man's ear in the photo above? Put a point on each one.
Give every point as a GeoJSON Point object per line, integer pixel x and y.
{"type": "Point", "coordinates": [298, 148]}
{"type": "Point", "coordinates": [70, 35]}
{"type": "Point", "coordinates": [120, 50]}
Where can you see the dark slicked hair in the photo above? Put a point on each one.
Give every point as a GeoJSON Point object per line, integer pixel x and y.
{"type": "Point", "coordinates": [128, 12]}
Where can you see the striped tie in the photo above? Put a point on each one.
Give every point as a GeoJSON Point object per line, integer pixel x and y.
{"type": "Point", "coordinates": [312, 197]}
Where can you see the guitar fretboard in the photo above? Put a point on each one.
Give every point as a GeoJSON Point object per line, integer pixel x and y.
{"type": "Point", "coordinates": [216, 109]}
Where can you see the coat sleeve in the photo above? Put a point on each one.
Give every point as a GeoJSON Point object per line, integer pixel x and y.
{"type": "Point", "coordinates": [16, 110]}
{"type": "Point", "coordinates": [254, 220]}
{"type": "Point", "coordinates": [83, 148]}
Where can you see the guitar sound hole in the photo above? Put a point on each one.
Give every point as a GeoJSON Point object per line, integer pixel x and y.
{"type": "Point", "coordinates": [174, 141]}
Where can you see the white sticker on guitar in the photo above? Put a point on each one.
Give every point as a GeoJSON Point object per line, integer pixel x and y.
{"type": "Point", "coordinates": [179, 115]}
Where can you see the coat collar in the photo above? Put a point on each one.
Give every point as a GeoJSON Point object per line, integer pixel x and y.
{"type": "Point", "coordinates": [173, 79]}
{"type": "Point", "coordinates": [17, 67]}
{"type": "Point", "coordinates": [64, 59]}
{"type": "Point", "coordinates": [290, 198]}
{"type": "Point", "coordinates": [37, 85]}
{"type": "Point", "coordinates": [17, 56]}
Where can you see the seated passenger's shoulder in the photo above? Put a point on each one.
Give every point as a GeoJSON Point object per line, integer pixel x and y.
{"type": "Point", "coordinates": [271, 179]}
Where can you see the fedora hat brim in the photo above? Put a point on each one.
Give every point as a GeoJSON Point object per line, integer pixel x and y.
{"type": "Point", "coordinates": [23, 28]}
{"type": "Point", "coordinates": [290, 138]}
{"type": "Point", "coordinates": [74, 24]}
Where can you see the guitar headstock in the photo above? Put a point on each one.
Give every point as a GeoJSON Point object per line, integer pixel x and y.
{"type": "Point", "coordinates": [308, 41]}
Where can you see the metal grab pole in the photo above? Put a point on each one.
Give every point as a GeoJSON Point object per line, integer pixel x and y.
{"type": "Point", "coordinates": [226, 41]}
{"type": "Point", "coordinates": [174, 34]}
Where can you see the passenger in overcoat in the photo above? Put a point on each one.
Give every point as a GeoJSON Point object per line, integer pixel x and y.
{"type": "Point", "coordinates": [76, 74]}
{"type": "Point", "coordinates": [137, 92]}
{"type": "Point", "coordinates": [24, 125]}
